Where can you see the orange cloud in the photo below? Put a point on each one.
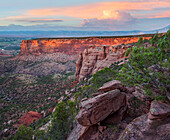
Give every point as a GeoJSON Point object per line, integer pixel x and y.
{"type": "Point", "coordinates": [95, 10]}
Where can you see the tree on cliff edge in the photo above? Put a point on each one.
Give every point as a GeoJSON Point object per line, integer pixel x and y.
{"type": "Point", "coordinates": [149, 67]}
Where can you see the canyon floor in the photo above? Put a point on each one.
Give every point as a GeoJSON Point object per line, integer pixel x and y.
{"type": "Point", "coordinates": [33, 83]}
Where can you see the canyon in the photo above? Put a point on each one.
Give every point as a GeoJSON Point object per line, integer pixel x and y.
{"type": "Point", "coordinates": [95, 53]}
{"type": "Point", "coordinates": [49, 71]}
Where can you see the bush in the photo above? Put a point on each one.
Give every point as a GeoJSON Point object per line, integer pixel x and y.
{"type": "Point", "coordinates": [24, 133]}
{"type": "Point", "coordinates": [138, 69]}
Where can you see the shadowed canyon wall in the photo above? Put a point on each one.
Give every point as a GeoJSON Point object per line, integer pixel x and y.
{"type": "Point", "coordinates": [96, 58]}
{"type": "Point", "coordinates": [71, 46]}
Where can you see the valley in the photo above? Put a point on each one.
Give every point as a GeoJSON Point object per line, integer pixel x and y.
{"type": "Point", "coordinates": [72, 73]}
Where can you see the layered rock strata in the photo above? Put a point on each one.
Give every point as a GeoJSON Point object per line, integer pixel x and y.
{"type": "Point", "coordinates": [105, 103]}
{"type": "Point", "coordinates": [71, 45]}
{"type": "Point", "coordinates": [96, 58]}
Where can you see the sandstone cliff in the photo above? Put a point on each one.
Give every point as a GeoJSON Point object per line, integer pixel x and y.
{"type": "Point", "coordinates": [71, 45]}
{"type": "Point", "coordinates": [98, 57]}
{"type": "Point", "coordinates": [109, 115]}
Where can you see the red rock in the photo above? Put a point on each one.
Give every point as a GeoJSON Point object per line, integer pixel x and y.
{"type": "Point", "coordinates": [96, 58]}
{"type": "Point", "coordinates": [153, 117]}
{"type": "Point", "coordinates": [111, 85]}
{"type": "Point", "coordinates": [51, 110]}
{"type": "Point", "coordinates": [141, 129]}
{"type": "Point", "coordinates": [70, 45]}
{"type": "Point", "coordinates": [163, 130]}
{"type": "Point", "coordinates": [100, 107]}
{"type": "Point", "coordinates": [116, 117]}
{"type": "Point", "coordinates": [83, 133]}
{"type": "Point", "coordinates": [159, 110]}
{"type": "Point", "coordinates": [29, 117]}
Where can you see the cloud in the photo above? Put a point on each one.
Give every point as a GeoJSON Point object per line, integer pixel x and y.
{"type": "Point", "coordinates": [95, 10]}
{"type": "Point", "coordinates": [36, 20]}
{"type": "Point", "coordinates": [115, 19]}
{"type": "Point", "coordinates": [141, 24]}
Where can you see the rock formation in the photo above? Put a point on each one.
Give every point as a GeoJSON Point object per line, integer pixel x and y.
{"type": "Point", "coordinates": [96, 58]}
{"type": "Point", "coordinates": [142, 129]}
{"type": "Point", "coordinates": [105, 103]}
{"type": "Point", "coordinates": [71, 45]}
{"type": "Point", "coordinates": [110, 115]}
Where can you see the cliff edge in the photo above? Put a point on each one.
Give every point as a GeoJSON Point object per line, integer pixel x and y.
{"type": "Point", "coordinates": [72, 46]}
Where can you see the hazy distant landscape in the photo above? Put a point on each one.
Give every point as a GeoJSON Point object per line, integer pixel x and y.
{"type": "Point", "coordinates": [72, 33]}
{"type": "Point", "coordinates": [10, 45]}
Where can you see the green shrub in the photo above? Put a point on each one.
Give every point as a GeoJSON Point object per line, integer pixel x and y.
{"type": "Point", "coordinates": [137, 70]}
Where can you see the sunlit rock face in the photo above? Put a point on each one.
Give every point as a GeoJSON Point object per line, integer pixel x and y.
{"type": "Point", "coordinates": [70, 45]}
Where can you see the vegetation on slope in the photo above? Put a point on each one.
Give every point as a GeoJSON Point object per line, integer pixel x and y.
{"type": "Point", "coordinates": [146, 67]}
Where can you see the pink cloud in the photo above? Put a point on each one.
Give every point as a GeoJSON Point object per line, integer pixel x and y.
{"type": "Point", "coordinates": [95, 10]}
{"type": "Point", "coordinates": [111, 19]}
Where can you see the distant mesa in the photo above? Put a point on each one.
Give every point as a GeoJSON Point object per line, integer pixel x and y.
{"type": "Point", "coordinates": [72, 46]}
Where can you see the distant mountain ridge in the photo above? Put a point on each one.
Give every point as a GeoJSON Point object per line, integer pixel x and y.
{"type": "Point", "coordinates": [64, 33]}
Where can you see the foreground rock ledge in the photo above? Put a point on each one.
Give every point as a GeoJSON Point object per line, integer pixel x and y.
{"type": "Point", "coordinates": [111, 85]}
{"type": "Point", "coordinates": [98, 108]}
{"type": "Point", "coordinates": [141, 129]}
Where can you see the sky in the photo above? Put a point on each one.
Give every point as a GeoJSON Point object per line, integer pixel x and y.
{"type": "Point", "coordinates": [106, 15]}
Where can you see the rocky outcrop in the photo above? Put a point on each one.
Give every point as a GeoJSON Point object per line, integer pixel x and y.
{"type": "Point", "coordinates": [105, 103]}
{"type": "Point", "coordinates": [96, 58]}
{"type": "Point", "coordinates": [83, 133]}
{"type": "Point", "coordinates": [124, 113]}
{"type": "Point", "coordinates": [111, 85]}
{"type": "Point", "coordinates": [71, 45]}
{"type": "Point", "coordinates": [141, 129]}
{"type": "Point", "coordinates": [95, 113]}
{"type": "Point", "coordinates": [29, 118]}
{"type": "Point", "coordinates": [159, 110]}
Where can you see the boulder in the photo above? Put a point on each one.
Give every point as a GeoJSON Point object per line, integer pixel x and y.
{"type": "Point", "coordinates": [83, 133]}
{"type": "Point", "coordinates": [98, 108]}
{"type": "Point", "coordinates": [163, 130]}
{"type": "Point", "coordinates": [111, 85]}
{"type": "Point", "coordinates": [159, 110]}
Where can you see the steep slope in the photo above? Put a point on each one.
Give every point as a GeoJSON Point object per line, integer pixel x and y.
{"type": "Point", "coordinates": [96, 58]}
